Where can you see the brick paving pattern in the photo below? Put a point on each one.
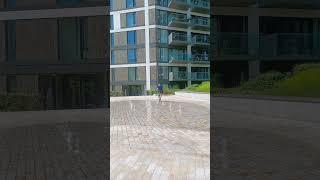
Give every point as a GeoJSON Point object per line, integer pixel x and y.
{"type": "Point", "coordinates": [65, 151]}
{"type": "Point", "coordinates": [265, 140]}
{"type": "Point", "coordinates": [151, 140]}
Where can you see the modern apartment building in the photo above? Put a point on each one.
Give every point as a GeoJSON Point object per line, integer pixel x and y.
{"type": "Point", "coordinates": [254, 36]}
{"type": "Point", "coordinates": [158, 41]}
{"type": "Point", "coordinates": [55, 49]}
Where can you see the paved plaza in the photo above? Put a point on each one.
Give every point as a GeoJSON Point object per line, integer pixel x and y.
{"type": "Point", "coordinates": [152, 140]}
{"type": "Point", "coordinates": [265, 140]}
{"type": "Point", "coordinates": [53, 145]}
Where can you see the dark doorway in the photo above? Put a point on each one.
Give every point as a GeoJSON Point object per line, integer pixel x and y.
{"type": "Point", "coordinates": [80, 92]}
{"type": "Point", "coordinates": [47, 90]}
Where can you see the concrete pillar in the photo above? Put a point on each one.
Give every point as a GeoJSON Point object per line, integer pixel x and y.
{"type": "Point", "coordinates": [3, 84]}
{"type": "Point", "coordinates": [253, 44]}
{"type": "Point", "coordinates": [254, 69]}
{"type": "Point", "coordinates": [189, 74]}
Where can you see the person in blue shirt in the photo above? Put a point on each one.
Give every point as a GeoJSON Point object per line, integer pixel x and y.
{"type": "Point", "coordinates": [160, 91]}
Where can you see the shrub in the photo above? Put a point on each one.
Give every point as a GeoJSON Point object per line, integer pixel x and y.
{"type": "Point", "coordinates": [151, 92]}
{"type": "Point", "coordinates": [116, 93]}
{"type": "Point", "coordinates": [304, 67]}
{"type": "Point", "coordinates": [263, 81]}
{"type": "Point", "coordinates": [167, 90]}
{"type": "Point", "coordinates": [19, 102]}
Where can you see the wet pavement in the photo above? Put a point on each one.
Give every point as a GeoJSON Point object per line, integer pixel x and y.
{"type": "Point", "coordinates": [151, 140]}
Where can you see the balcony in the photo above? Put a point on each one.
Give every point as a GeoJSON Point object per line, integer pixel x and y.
{"type": "Point", "coordinates": [178, 20]}
{"type": "Point", "coordinates": [199, 23]}
{"type": "Point", "coordinates": [287, 45]}
{"type": "Point", "coordinates": [201, 6]}
{"type": "Point", "coordinates": [200, 58]}
{"type": "Point", "coordinates": [178, 39]}
{"type": "Point", "coordinates": [178, 76]}
{"type": "Point", "coordinates": [199, 76]}
{"type": "Point", "coordinates": [176, 57]}
{"type": "Point", "coordinates": [232, 45]}
{"type": "Point", "coordinates": [178, 4]}
{"type": "Point", "coordinates": [200, 40]}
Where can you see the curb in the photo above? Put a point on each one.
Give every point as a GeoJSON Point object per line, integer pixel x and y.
{"type": "Point", "coordinates": [271, 98]}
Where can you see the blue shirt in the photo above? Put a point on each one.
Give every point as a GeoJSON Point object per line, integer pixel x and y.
{"type": "Point", "coordinates": [160, 88]}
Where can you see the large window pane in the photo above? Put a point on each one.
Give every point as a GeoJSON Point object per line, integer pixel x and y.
{"type": "Point", "coordinates": [131, 19]}
{"type": "Point", "coordinates": [132, 73]}
{"type": "Point", "coordinates": [132, 56]}
{"type": "Point", "coordinates": [130, 3]}
{"type": "Point", "coordinates": [131, 37]}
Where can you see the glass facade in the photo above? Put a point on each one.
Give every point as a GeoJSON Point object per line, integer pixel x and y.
{"type": "Point", "coordinates": [130, 3]}
{"type": "Point", "coordinates": [131, 37]}
{"type": "Point", "coordinates": [131, 19]}
{"type": "Point", "coordinates": [132, 58]}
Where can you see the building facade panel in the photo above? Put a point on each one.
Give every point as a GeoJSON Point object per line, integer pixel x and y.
{"type": "Point", "coordinates": [95, 45]}
{"type": "Point", "coordinates": [141, 55]}
{"type": "Point", "coordinates": [121, 57]}
{"type": "Point", "coordinates": [36, 41]}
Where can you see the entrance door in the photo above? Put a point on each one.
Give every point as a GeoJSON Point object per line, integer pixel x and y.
{"type": "Point", "coordinates": [83, 92]}
{"type": "Point", "coordinates": [47, 90]}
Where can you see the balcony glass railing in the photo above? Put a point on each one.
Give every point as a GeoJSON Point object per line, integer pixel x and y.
{"type": "Point", "coordinates": [179, 36]}
{"type": "Point", "coordinates": [177, 18]}
{"type": "Point", "coordinates": [200, 21]}
{"type": "Point", "coordinates": [200, 76]}
{"type": "Point", "coordinates": [177, 1]}
{"type": "Point", "coordinates": [180, 75]}
{"type": "Point", "coordinates": [175, 56]}
{"type": "Point", "coordinates": [200, 39]}
{"type": "Point", "coordinates": [200, 3]}
{"type": "Point", "coordinates": [286, 44]}
{"type": "Point", "coordinates": [231, 44]}
{"type": "Point", "coordinates": [200, 58]}
{"type": "Point", "coordinates": [270, 45]}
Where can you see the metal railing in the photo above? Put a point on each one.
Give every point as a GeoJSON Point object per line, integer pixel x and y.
{"type": "Point", "coordinates": [199, 21]}
{"type": "Point", "coordinates": [267, 45]}
{"type": "Point", "coordinates": [200, 39]}
{"type": "Point", "coordinates": [178, 1]}
{"type": "Point", "coordinates": [231, 44]}
{"type": "Point", "coordinates": [174, 56]}
{"type": "Point", "coordinates": [286, 44]}
{"type": "Point", "coordinates": [179, 36]}
{"type": "Point", "coordinates": [180, 75]}
{"type": "Point", "coordinates": [200, 58]}
{"type": "Point", "coordinates": [200, 76]}
{"type": "Point", "coordinates": [177, 18]}
{"type": "Point", "coordinates": [200, 3]}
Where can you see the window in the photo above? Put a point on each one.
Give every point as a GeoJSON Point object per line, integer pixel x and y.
{"type": "Point", "coordinates": [131, 19]}
{"type": "Point", "coordinates": [111, 22]}
{"type": "Point", "coordinates": [113, 75]}
{"type": "Point", "coordinates": [11, 40]}
{"type": "Point", "coordinates": [132, 73]}
{"type": "Point", "coordinates": [113, 61]}
{"type": "Point", "coordinates": [163, 54]}
{"type": "Point", "coordinates": [112, 40]}
{"type": "Point", "coordinates": [162, 17]}
{"type": "Point", "coordinates": [162, 36]}
{"type": "Point", "coordinates": [130, 3]}
{"type": "Point", "coordinates": [132, 56]}
{"type": "Point", "coordinates": [131, 37]}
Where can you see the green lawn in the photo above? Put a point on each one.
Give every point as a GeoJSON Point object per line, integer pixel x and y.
{"type": "Point", "coordinates": [305, 84]}
{"type": "Point", "coordinates": [203, 87]}
{"type": "Point", "coordinates": [302, 83]}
